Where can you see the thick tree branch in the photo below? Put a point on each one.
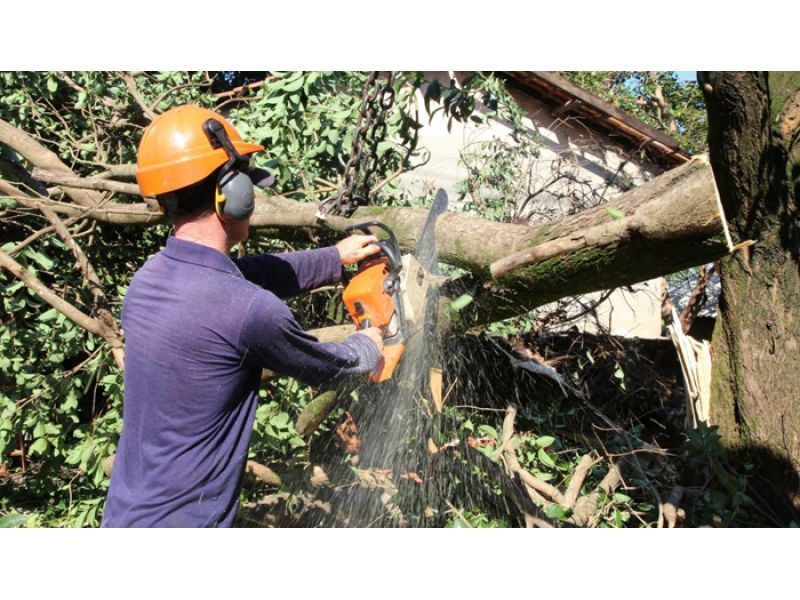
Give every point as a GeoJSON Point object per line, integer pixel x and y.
{"type": "Point", "coordinates": [122, 171]}
{"type": "Point", "coordinates": [12, 171]}
{"type": "Point", "coordinates": [107, 212]}
{"type": "Point", "coordinates": [72, 181]}
{"type": "Point", "coordinates": [41, 157]}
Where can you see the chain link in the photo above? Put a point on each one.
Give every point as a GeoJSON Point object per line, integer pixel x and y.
{"type": "Point", "coordinates": [370, 131]}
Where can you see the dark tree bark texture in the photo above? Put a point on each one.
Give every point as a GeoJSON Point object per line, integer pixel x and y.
{"type": "Point", "coordinates": [754, 122]}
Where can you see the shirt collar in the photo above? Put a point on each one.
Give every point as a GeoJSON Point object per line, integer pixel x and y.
{"type": "Point", "coordinates": [199, 254]}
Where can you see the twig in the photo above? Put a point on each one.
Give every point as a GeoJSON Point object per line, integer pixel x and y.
{"type": "Point", "coordinates": [586, 507]}
{"type": "Point", "coordinates": [697, 299]}
{"type": "Point", "coordinates": [578, 477]}
{"type": "Point", "coordinates": [459, 514]}
{"type": "Point", "coordinates": [243, 88]}
{"type": "Point", "coordinates": [513, 466]}
{"type": "Point", "coordinates": [130, 83]}
{"type": "Point", "coordinates": [182, 86]}
{"type": "Point", "coordinates": [83, 262]}
{"type": "Point", "coordinates": [672, 504]}
{"type": "Point", "coordinates": [78, 88]}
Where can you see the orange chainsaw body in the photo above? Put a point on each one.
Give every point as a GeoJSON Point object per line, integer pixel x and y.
{"type": "Point", "coordinates": [372, 297]}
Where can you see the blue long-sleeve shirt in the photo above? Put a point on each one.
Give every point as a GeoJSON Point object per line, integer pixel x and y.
{"type": "Point", "coordinates": [199, 328]}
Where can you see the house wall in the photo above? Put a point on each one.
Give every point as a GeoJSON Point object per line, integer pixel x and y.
{"type": "Point", "coordinates": [593, 169]}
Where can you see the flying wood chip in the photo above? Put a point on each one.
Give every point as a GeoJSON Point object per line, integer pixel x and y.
{"type": "Point", "coordinates": [435, 378]}
{"type": "Point", "coordinates": [347, 432]}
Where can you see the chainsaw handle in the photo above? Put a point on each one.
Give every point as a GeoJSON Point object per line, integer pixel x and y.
{"type": "Point", "coordinates": [390, 249]}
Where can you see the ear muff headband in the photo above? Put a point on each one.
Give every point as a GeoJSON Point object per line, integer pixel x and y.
{"type": "Point", "coordinates": [234, 196]}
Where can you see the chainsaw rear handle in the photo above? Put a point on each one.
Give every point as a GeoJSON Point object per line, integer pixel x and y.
{"type": "Point", "coordinates": [390, 249]}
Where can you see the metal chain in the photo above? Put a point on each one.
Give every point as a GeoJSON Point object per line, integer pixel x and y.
{"type": "Point", "coordinates": [367, 133]}
{"type": "Point", "coordinates": [378, 133]}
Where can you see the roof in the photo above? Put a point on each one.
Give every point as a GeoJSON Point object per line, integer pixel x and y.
{"type": "Point", "coordinates": [566, 98]}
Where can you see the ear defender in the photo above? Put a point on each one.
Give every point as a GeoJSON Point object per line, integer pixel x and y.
{"type": "Point", "coordinates": [234, 197]}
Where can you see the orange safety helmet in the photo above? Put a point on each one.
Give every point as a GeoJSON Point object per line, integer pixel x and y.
{"type": "Point", "coordinates": [176, 152]}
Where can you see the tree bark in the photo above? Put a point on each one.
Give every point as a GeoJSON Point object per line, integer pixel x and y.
{"type": "Point", "coordinates": [754, 122]}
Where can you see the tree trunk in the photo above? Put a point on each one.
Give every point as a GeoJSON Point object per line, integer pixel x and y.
{"type": "Point", "coordinates": [754, 122]}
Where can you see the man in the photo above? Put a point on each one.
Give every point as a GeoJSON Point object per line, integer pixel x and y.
{"type": "Point", "coordinates": [200, 327]}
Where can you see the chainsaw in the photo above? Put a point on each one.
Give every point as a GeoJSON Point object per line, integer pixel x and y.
{"type": "Point", "coordinates": [390, 290]}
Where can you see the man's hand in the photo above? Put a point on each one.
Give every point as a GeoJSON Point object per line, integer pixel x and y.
{"type": "Point", "coordinates": [356, 248]}
{"type": "Point", "coordinates": [374, 333]}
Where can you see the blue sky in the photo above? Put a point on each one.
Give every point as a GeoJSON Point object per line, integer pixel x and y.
{"type": "Point", "coordinates": [686, 75]}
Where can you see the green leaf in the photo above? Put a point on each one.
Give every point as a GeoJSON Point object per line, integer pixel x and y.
{"type": "Point", "coordinates": [614, 213]}
{"type": "Point", "coordinates": [38, 447]}
{"type": "Point", "coordinates": [48, 315]}
{"type": "Point", "coordinates": [280, 421]}
{"type": "Point", "coordinates": [617, 518]}
{"type": "Point", "coordinates": [461, 302]}
{"type": "Point", "coordinates": [12, 520]}
{"type": "Point", "coordinates": [545, 441]}
{"type": "Point", "coordinates": [52, 85]}
{"type": "Point", "coordinates": [42, 260]}
{"type": "Point", "coordinates": [554, 511]}
{"type": "Point", "coordinates": [86, 455]}
{"type": "Point", "coordinates": [622, 498]}
{"type": "Point", "coordinates": [78, 523]}
{"type": "Point", "coordinates": [545, 459]}
{"type": "Point", "coordinates": [457, 524]}
{"type": "Point", "coordinates": [488, 430]}
{"type": "Point", "coordinates": [295, 79]}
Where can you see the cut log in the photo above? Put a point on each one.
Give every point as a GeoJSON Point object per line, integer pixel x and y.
{"type": "Point", "coordinates": [262, 474]}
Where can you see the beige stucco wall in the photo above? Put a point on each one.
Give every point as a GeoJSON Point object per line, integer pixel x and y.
{"type": "Point", "coordinates": [589, 158]}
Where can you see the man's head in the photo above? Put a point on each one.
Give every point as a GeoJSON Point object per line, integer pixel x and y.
{"type": "Point", "coordinates": [197, 165]}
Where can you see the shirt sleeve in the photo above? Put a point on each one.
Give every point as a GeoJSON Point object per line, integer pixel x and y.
{"type": "Point", "coordinates": [292, 273]}
{"type": "Point", "coordinates": [272, 339]}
